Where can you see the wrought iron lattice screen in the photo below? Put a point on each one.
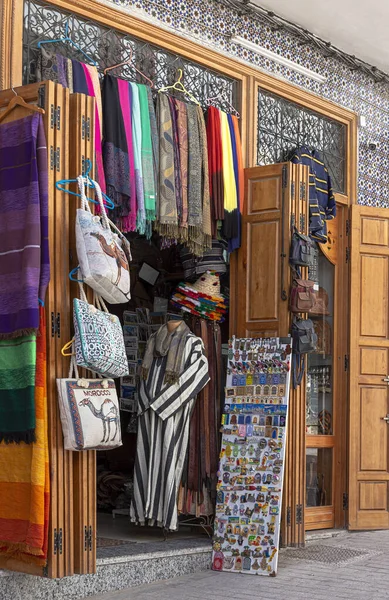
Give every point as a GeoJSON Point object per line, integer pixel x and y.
{"type": "Point", "coordinates": [284, 125]}
{"type": "Point", "coordinates": [107, 46]}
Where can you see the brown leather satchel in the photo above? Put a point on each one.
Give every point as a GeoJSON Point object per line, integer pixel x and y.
{"type": "Point", "coordinates": [321, 305]}
{"type": "Point", "coordinates": [302, 296]}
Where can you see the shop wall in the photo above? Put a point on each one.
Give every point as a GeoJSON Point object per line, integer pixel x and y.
{"type": "Point", "coordinates": [213, 24]}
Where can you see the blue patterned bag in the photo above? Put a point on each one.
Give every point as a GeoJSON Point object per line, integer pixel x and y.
{"type": "Point", "coordinates": [98, 338]}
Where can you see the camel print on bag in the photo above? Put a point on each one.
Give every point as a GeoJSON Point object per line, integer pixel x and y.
{"type": "Point", "coordinates": [103, 254]}
{"type": "Point", "coordinates": [89, 411]}
{"type": "Point", "coordinates": [108, 413]}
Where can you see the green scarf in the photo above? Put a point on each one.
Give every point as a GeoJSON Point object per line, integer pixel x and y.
{"type": "Point", "coordinates": [147, 155]}
{"type": "Point", "coordinates": [17, 389]}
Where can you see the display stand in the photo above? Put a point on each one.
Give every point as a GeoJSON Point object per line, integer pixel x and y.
{"type": "Point", "coordinates": [252, 458]}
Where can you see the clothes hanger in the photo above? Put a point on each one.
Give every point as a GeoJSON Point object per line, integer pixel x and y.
{"type": "Point", "coordinates": [223, 97]}
{"type": "Point", "coordinates": [127, 62]}
{"type": "Point", "coordinates": [65, 39]}
{"type": "Point", "coordinates": [89, 182]}
{"type": "Point", "coordinates": [19, 101]}
{"type": "Point", "coordinates": [179, 86]}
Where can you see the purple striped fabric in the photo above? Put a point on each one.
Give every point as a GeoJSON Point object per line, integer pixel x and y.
{"type": "Point", "coordinates": [24, 243]}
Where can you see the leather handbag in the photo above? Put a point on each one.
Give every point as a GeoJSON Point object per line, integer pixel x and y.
{"type": "Point", "coordinates": [98, 338]}
{"type": "Point", "coordinates": [302, 250]}
{"type": "Point", "coordinates": [89, 411]}
{"type": "Point", "coordinates": [103, 254]}
{"type": "Point", "coordinates": [302, 296]}
{"type": "Point", "coordinates": [304, 336]}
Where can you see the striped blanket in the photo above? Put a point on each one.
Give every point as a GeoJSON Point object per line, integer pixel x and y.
{"type": "Point", "coordinates": [17, 382]}
{"type": "Point", "coordinates": [24, 246]}
{"type": "Point", "coordinates": [24, 481]}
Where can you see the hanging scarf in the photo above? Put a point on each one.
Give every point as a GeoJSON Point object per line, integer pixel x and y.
{"type": "Point", "coordinates": [168, 220]}
{"type": "Point", "coordinates": [115, 147]}
{"type": "Point", "coordinates": [234, 242]}
{"type": "Point", "coordinates": [24, 245]}
{"type": "Point", "coordinates": [52, 66]}
{"type": "Point", "coordinates": [137, 142]}
{"type": "Point", "coordinates": [239, 154]}
{"type": "Point", "coordinates": [182, 129]}
{"type": "Point", "coordinates": [195, 216]}
{"type": "Point", "coordinates": [125, 96]}
{"type": "Point", "coordinates": [155, 145]}
{"type": "Point", "coordinates": [147, 155]}
{"type": "Point", "coordinates": [25, 479]}
{"type": "Point", "coordinates": [215, 164]}
{"type": "Point", "coordinates": [230, 197]}
{"type": "Point", "coordinates": [206, 205]}
{"type": "Point", "coordinates": [170, 344]}
{"type": "Point", "coordinates": [177, 160]}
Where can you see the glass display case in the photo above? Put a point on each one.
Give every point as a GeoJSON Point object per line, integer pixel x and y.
{"type": "Point", "coordinates": [319, 395]}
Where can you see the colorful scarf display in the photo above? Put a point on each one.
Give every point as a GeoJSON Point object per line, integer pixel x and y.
{"type": "Point", "coordinates": [25, 480]}
{"type": "Point", "coordinates": [137, 144]}
{"type": "Point", "coordinates": [24, 246]}
{"type": "Point", "coordinates": [215, 162]}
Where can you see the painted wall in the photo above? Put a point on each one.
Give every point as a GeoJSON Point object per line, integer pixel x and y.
{"type": "Point", "coordinates": [212, 23]}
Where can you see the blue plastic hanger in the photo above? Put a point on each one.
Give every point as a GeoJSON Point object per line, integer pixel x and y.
{"type": "Point", "coordinates": [72, 275]}
{"type": "Point", "coordinates": [65, 39]}
{"type": "Point", "coordinates": [107, 201]}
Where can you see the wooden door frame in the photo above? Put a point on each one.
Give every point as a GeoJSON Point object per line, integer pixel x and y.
{"type": "Point", "coordinates": [249, 78]}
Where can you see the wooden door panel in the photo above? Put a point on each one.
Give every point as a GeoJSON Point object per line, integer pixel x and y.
{"type": "Point", "coordinates": [374, 405]}
{"type": "Point", "coordinates": [369, 367]}
{"type": "Point", "coordinates": [374, 296]}
{"type": "Point", "coordinates": [263, 243]}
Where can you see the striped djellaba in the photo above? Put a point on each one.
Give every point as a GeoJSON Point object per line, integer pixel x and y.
{"type": "Point", "coordinates": [163, 431]}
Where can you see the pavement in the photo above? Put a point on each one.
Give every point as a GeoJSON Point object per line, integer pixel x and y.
{"type": "Point", "coordinates": [350, 566]}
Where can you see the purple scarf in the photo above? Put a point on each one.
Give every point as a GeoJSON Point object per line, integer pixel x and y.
{"type": "Point", "coordinates": [24, 244]}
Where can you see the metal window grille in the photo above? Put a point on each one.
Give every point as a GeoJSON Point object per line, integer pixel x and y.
{"type": "Point", "coordinates": [109, 46]}
{"type": "Point", "coordinates": [284, 125]}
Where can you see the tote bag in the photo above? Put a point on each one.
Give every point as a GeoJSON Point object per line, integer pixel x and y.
{"type": "Point", "coordinates": [98, 338]}
{"type": "Point", "coordinates": [89, 411]}
{"type": "Point", "coordinates": [102, 254]}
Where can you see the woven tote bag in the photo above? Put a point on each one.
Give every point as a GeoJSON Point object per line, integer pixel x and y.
{"type": "Point", "coordinates": [89, 411]}
{"type": "Point", "coordinates": [98, 338]}
{"type": "Point", "coordinates": [103, 255]}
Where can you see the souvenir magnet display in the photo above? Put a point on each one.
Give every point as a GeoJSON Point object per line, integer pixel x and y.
{"type": "Point", "coordinates": [251, 469]}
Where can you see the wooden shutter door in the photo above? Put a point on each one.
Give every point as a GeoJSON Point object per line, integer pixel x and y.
{"type": "Point", "coordinates": [369, 369]}
{"type": "Point", "coordinates": [276, 199]}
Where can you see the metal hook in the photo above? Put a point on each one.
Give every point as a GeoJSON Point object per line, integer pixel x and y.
{"type": "Point", "coordinates": [14, 91]}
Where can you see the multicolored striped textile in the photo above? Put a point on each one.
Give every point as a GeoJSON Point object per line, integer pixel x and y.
{"type": "Point", "coordinates": [24, 245]}
{"type": "Point", "coordinates": [24, 480]}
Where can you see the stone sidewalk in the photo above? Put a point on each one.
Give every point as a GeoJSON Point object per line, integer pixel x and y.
{"type": "Point", "coordinates": [350, 566]}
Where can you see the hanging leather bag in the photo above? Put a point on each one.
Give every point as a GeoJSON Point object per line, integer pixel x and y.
{"type": "Point", "coordinates": [302, 250]}
{"type": "Point", "coordinates": [321, 303]}
{"type": "Point", "coordinates": [302, 296]}
{"type": "Point", "coordinates": [304, 336]}
{"type": "Point", "coordinates": [103, 254]}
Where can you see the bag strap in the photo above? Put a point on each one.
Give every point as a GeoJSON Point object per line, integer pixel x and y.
{"type": "Point", "coordinates": [81, 188]}
{"type": "Point", "coordinates": [298, 367]}
{"type": "Point", "coordinates": [99, 195]}
{"type": "Point", "coordinates": [73, 370]}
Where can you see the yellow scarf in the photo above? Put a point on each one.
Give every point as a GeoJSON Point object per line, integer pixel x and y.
{"type": "Point", "coordinates": [230, 199]}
